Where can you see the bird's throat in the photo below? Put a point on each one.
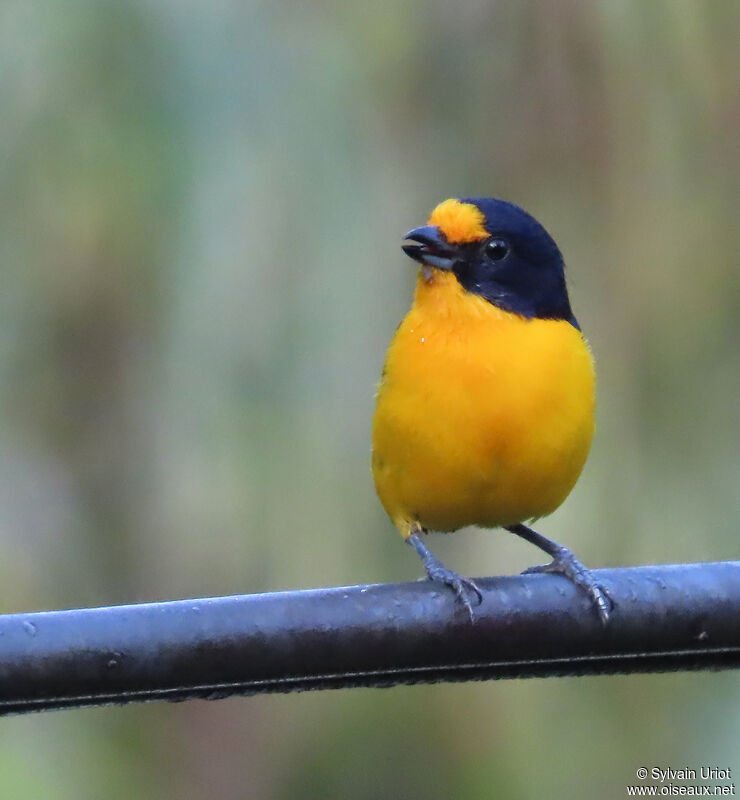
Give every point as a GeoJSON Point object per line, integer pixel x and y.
{"type": "Point", "coordinates": [439, 293]}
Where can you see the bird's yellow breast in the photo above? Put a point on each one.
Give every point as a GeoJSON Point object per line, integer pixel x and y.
{"type": "Point", "coordinates": [483, 417]}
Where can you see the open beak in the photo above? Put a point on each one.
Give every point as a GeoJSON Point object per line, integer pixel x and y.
{"type": "Point", "coordinates": [429, 247]}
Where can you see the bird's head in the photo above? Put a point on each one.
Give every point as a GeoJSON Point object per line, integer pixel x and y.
{"type": "Point", "coordinates": [495, 250]}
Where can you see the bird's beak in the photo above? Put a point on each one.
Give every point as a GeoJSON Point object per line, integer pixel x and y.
{"type": "Point", "coordinates": [430, 247]}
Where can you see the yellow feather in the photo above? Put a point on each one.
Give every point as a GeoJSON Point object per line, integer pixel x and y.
{"type": "Point", "coordinates": [459, 222]}
{"type": "Point", "coordinates": [482, 417]}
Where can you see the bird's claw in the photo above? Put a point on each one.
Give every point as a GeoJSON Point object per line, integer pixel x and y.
{"type": "Point", "coordinates": [462, 587]}
{"type": "Point", "coordinates": [565, 563]}
{"type": "Point", "coordinates": [438, 572]}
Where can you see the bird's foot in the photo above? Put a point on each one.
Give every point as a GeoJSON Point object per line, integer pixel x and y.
{"type": "Point", "coordinates": [463, 588]}
{"type": "Point", "coordinates": [565, 563]}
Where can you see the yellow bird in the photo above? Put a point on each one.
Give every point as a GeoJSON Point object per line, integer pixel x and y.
{"type": "Point", "coordinates": [485, 410]}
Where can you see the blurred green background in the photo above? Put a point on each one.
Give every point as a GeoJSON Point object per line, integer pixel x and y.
{"type": "Point", "coordinates": [201, 207]}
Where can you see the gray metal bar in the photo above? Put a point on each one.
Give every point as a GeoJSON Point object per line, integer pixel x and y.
{"type": "Point", "coordinates": [677, 617]}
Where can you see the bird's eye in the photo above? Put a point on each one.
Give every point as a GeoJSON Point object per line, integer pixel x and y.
{"type": "Point", "coordinates": [497, 248]}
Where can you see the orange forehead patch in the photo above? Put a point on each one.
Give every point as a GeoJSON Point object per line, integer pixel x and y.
{"type": "Point", "coordinates": [460, 222]}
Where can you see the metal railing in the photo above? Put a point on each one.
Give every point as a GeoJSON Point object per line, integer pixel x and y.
{"type": "Point", "coordinates": [676, 617]}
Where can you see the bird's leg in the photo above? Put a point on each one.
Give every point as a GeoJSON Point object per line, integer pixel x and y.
{"type": "Point", "coordinates": [437, 571]}
{"type": "Point", "coordinates": [565, 563]}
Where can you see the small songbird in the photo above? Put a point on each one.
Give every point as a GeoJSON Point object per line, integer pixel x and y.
{"type": "Point", "coordinates": [485, 409]}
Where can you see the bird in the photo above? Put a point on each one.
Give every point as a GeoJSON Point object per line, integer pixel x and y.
{"type": "Point", "coordinates": [484, 413]}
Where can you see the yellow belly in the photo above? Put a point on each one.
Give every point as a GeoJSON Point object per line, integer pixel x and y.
{"type": "Point", "coordinates": [482, 417]}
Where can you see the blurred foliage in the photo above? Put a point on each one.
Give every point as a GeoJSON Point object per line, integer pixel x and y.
{"type": "Point", "coordinates": [201, 212]}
